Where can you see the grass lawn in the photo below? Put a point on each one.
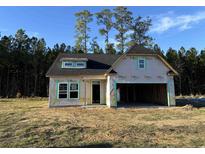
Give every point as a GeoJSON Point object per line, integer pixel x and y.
{"type": "Point", "coordinates": [30, 123]}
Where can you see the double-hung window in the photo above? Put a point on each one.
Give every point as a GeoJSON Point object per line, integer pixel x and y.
{"type": "Point", "coordinates": [68, 90]}
{"type": "Point", "coordinates": [63, 90]}
{"type": "Point", "coordinates": [74, 90]}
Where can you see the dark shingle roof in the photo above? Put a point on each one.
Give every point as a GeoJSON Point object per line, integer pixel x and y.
{"type": "Point", "coordinates": [137, 49]}
{"type": "Point", "coordinates": [97, 64]}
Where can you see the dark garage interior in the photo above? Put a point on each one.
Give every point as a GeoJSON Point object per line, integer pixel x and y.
{"type": "Point", "coordinates": [142, 94]}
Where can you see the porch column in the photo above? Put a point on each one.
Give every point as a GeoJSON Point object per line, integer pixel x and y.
{"type": "Point", "coordinates": [108, 92]}
{"type": "Point", "coordinates": [171, 91]}
{"type": "Point", "coordinates": [111, 92]}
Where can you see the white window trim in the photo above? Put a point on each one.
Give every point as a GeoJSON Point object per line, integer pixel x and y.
{"type": "Point", "coordinates": [141, 58]}
{"type": "Point", "coordinates": [59, 89]}
{"type": "Point", "coordinates": [84, 64]}
{"type": "Point", "coordinates": [74, 64]}
{"type": "Point", "coordinates": [63, 64]}
{"type": "Point", "coordinates": [74, 90]}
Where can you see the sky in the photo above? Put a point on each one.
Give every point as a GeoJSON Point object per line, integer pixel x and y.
{"type": "Point", "coordinates": [171, 26]}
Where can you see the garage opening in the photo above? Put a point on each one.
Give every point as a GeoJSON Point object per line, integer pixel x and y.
{"type": "Point", "coordinates": [141, 94]}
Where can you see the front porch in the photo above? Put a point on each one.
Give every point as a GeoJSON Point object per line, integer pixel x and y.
{"type": "Point", "coordinates": [93, 92]}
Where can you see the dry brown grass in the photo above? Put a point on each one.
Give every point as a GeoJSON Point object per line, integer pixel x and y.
{"type": "Point", "coordinates": [30, 123]}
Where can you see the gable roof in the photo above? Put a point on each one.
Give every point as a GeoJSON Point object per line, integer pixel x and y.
{"type": "Point", "coordinates": [140, 50]}
{"type": "Point", "coordinates": [97, 64]}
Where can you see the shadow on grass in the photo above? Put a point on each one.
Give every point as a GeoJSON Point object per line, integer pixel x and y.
{"type": "Point", "coordinates": [94, 145]}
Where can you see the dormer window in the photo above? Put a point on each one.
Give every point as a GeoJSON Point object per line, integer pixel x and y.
{"type": "Point", "coordinates": [73, 64]}
{"type": "Point", "coordinates": [80, 64]}
{"type": "Point", "coordinates": [67, 64]}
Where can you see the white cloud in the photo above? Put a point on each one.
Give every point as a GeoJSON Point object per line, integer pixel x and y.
{"type": "Point", "coordinates": [163, 23]}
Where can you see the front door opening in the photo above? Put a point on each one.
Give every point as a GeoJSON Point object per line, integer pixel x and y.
{"type": "Point", "coordinates": [96, 92]}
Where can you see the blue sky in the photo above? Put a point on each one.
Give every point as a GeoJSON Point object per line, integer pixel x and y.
{"type": "Point", "coordinates": [172, 26]}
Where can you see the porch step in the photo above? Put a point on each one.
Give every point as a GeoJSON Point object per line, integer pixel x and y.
{"type": "Point", "coordinates": [94, 106]}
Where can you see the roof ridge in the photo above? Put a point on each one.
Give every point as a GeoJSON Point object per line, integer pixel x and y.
{"type": "Point", "coordinates": [139, 49]}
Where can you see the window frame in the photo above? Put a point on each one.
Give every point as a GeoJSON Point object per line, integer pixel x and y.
{"type": "Point", "coordinates": [81, 62]}
{"type": "Point", "coordinates": [59, 89]}
{"type": "Point", "coordinates": [63, 64]}
{"type": "Point", "coordinates": [75, 82]}
{"type": "Point", "coordinates": [141, 58]}
{"type": "Point", "coordinates": [74, 64]}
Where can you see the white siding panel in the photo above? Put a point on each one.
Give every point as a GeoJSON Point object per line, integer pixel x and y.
{"type": "Point", "coordinates": [128, 72]}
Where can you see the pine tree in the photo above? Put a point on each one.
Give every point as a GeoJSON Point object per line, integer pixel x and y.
{"type": "Point", "coordinates": [139, 29]}
{"type": "Point", "coordinates": [82, 29]}
{"type": "Point", "coordinates": [122, 22]}
{"type": "Point", "coordinates": [104, 18]}
{"type": "Point", "coordinates": [94, 46]}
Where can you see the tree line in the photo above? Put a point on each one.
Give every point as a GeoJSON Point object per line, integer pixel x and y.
{"type": "Point", "coordinates": [25, 60]}
{"type": "Point", "coordinates": [129, 30]}
{"type": "Point", "coordinates": [190, 65]}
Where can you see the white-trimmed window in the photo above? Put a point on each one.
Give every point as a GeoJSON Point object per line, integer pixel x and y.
{"type": "Point", "coordinates": [62, 90]}
{"type": "Point", "coordinates": [141, 63]}
{"type": "Point", "coordinates": [73, 64]}
{"type": "Point", "coordinates": [80, 64]}
{"type": "Point", "coordinates": [74, 90]}
{"type": "Point", "coordinates": [67, 64]}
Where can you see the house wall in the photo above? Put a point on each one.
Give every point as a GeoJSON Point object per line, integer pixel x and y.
{"type": "Point", "coordinates": [85, 93]}
{"type": "Point", "coordinates": [155, 71]}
